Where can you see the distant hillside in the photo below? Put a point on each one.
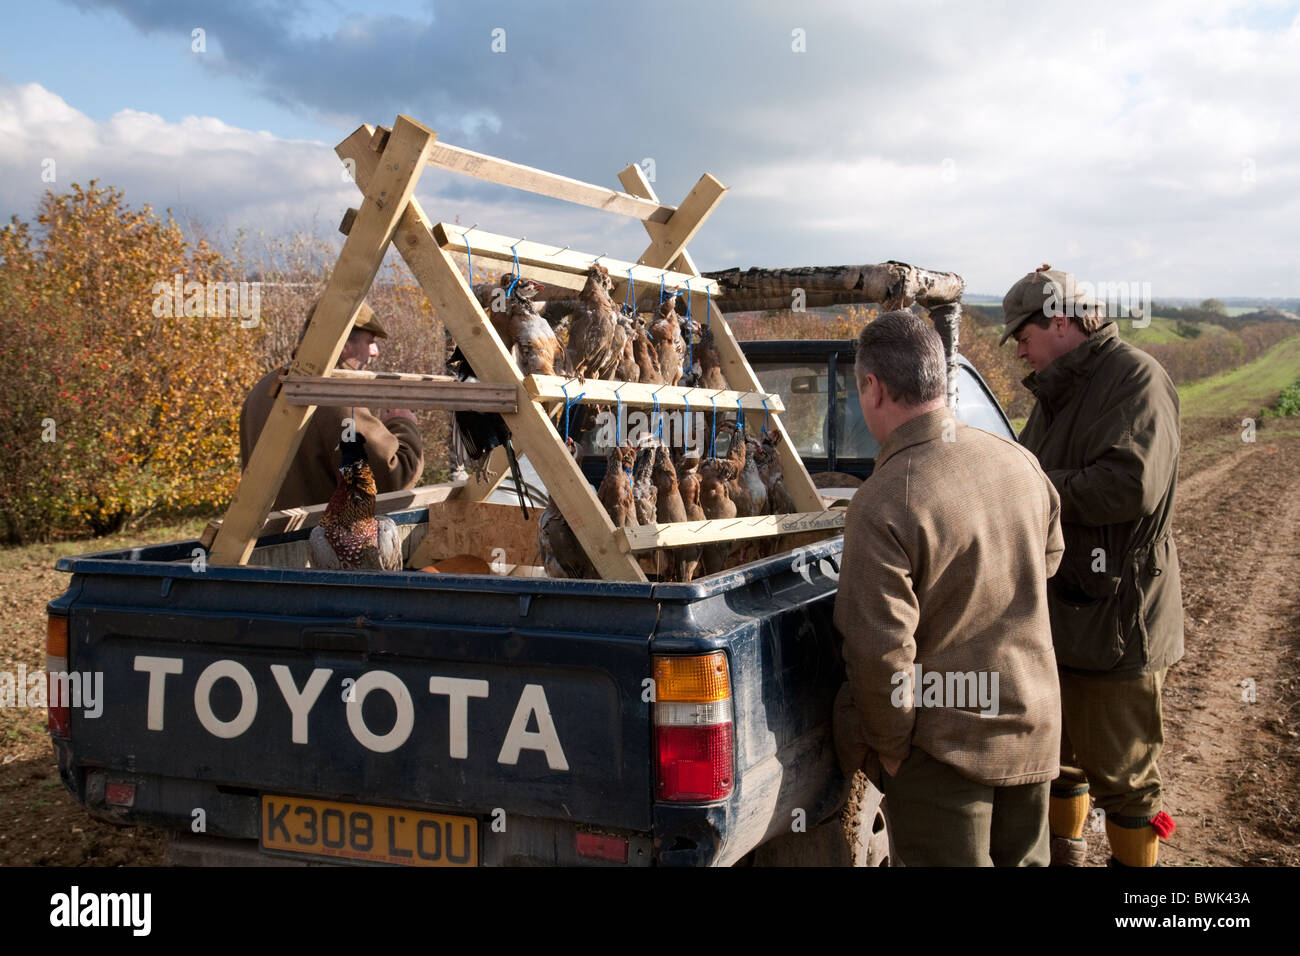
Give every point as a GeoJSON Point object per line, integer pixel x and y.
{"type": "Point", "coordinates": [1191, 343]}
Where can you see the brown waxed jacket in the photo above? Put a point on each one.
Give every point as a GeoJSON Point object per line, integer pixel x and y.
{"type": "Point", "coordinates": [1105, 429]}
{"type": "Point", "coordinates": [947, 550]}
{"type": "Point", "coordinates": [395, 449]}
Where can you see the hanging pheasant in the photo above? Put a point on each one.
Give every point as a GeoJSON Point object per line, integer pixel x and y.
{"type": "Point", "coordinates": [349, 536]}
{"type": "Point", "coordinates": [596, 337]}
{"type": "Point", "coordinates": [562, 555]}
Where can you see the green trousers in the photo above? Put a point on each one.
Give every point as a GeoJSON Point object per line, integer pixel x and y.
{"type": "Point", "coordinates": [937, 817]}
{"type": "Point", "coordinates": [1111, 734]}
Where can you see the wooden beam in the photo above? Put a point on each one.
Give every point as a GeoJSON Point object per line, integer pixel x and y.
{"type": "Point", "coordinates": [668, 241]}
{"type": "Point", "coordinates": [453, 300]}
{"type": "Point", "coordinates": [737, 370]}
{"type": "Point", "coordinates": [680, 534]}
{"type": "Point", "coordinates": [558, 261]}
{"type": "Point", "coordinates": [291, 519]}
{"type": "Point", "coordinates": [553, 387]}
{"type": "Point", "coordinates": [635, 182]}
{"type": "Point", "coordinates": [452, 395]}
{"type": "Point", "coordinates": [389, 190]}
{"type": "Point", "coordinates": [501, 171]}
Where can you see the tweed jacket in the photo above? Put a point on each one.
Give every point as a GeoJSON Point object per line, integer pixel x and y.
{"type": "Point", "coordinates": [395, 449]}
{"type": "Point", "coordinates": [1105, 429]}
{"type": "Point", "coordinates": [947, 550]}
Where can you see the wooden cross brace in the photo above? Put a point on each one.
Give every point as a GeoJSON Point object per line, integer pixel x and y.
{"type": "Point", "coordinates": [386, 166]}
{"type": "Point", "coordinates": [393, 183]}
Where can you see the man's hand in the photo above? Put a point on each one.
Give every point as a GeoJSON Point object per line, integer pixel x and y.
{"type": "Point", "coordinates": [891, 764]}
{"type": "Point", "coordinates": [399, 413]}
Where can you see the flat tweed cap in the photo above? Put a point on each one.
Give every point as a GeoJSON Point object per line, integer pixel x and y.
{"type": "Point", "coordinates": [365, 319]}
{"type": "Point", "coordinates": [1046, 292]}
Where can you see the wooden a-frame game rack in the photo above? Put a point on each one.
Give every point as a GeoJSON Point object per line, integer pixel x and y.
{"type": "Point", "coordinates": [386, 165]}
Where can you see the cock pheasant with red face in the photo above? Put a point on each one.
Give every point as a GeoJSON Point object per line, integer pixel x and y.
{"type": "Point", "coordinates": [349, 536]}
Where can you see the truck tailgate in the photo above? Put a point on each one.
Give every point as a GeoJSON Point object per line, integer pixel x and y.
{"type": "Point", "coordinates": [461, 694]}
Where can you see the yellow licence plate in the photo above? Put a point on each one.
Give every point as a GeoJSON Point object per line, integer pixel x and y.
{"type": "Point", "coordinates": [374, 834]}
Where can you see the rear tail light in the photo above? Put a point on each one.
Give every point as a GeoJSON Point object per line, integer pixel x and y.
{"type": "Point", "coordinates": [57, 700]}
{"type": "Point", "coordinates": [693, 728]}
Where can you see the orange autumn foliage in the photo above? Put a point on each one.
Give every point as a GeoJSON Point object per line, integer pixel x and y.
{"type": "Point", "coordinates": [114, 410]}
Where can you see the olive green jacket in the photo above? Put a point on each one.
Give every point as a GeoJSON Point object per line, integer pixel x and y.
{"type": "Point", "coordinates": [1106, 431]}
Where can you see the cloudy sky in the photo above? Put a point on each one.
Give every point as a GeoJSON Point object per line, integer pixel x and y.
{"type": "Point", "coordinates": [1125, 141]}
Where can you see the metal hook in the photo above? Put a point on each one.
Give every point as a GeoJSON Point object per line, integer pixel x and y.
{"type": "Point", "coordinates": [551, 255]}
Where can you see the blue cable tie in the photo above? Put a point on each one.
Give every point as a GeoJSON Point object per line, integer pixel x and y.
{"type": "Point", "coordinates": [631, 292]}
{"type": "Point", "coordinates": [569, 403]}
{"type": "Point", "coordinates": [659, 415]}
{"type": "Point", "coordinates": [767, 415]}
{"type": "Point", "coordinates": [511, 290]}
{"type": "Point", "coordinates": [565, 390]}
{"type": "Point", "coordinates": [690, 335]}
{"type": "Point", "coordinates": [662, 293]}
{"type": "Point", "coordinates": [713, 439]}
{"type": "Point", "coordinates": [618, 417]}
{"type": "Point", "coordinates": [740, 417]}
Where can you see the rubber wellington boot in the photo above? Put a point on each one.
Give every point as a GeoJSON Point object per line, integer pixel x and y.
{"type": "Point", "coordinates": [1135, 841]}
{"type": "Point", "coordinates": [1066, 816]}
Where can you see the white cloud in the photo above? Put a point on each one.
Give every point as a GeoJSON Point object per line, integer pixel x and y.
{"type": "Point", "coordinates": [200, 166]}
{"type": "Point", "coordinates": [1151, 141]}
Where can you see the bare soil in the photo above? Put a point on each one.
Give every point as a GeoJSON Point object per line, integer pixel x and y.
{"type": "Point", "coordinates": [1231, 764]}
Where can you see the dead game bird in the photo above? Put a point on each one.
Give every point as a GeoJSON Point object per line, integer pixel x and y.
{"type": "Point", "coordinates": [534, 346]}
{"type": "Point", "coordinates": [349, 536]}
{"type": "Point", "coordinates": [475, 434]}
{"type": "Point", "coordinates": [596, 339]}
{"type": "Point", "coordinates": [741, 486]}
{"type": "Point", "coordinates": [715, 500]}
{"type": "Point", "coordinates": [670, 345]}
{"type": "Point", "coordinates": [616, 487]}
{"type": "Point", "coordinates": [688, 485]}
{"type": "Point", "coordinates": [645, 495]}
{"type": "Point", "coordinates": [710, 362]}
{"type": "Point", "coordinates": [779, 501]}
{"type": "Point", "coordinates": [647, 358]}
{"type": "Point", "coordinates": [492, 297]}
{"type": "Point", "coordinates": [627, 370]}
{"type": "Point", "coordinates": [562, 554]}
{"type": "Point", "coordinates": [669, 507]}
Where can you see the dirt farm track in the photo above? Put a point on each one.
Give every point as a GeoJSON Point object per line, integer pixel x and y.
{"type": "Point", "coordinates": [1231, 765]}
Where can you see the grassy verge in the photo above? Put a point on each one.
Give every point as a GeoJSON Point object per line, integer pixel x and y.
{"type": "Point", "coordinates": [1246, 389]}
{"type": "Point", "coordinates": [45, 554]}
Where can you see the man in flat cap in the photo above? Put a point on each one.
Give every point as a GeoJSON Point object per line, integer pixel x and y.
{"type": "Point", "coordinates": [393, 444]}
{"type": "Point", "coordinates": [1105, 428]}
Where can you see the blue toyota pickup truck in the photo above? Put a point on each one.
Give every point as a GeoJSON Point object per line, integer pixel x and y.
{"type": "Point", "coordinates": [277, 714]}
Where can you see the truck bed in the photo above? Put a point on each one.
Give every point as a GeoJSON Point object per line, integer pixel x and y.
{"type": "Point", "coordinates": [516, 702]}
